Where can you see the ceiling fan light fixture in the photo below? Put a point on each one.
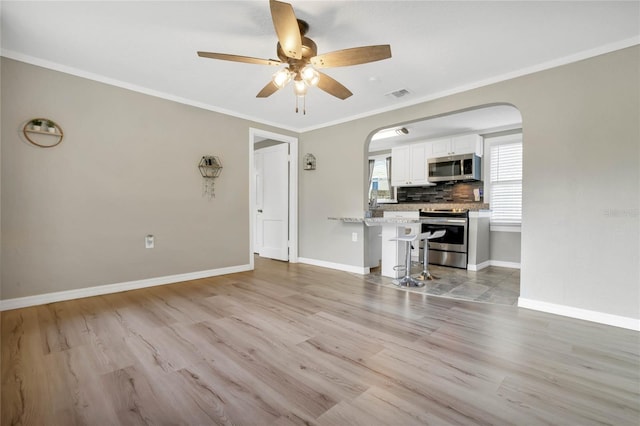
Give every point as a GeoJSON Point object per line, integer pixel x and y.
{"type": "Point", "coordinates": [390, 133]}
{"type": "Point", "coordinates": [282, 77]}
{"type": "Point", "coordinates": [310, 75]}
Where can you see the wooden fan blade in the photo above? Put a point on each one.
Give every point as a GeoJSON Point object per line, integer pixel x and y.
{"type": "Point", "coordinates": [237, 58]}
{"type": "Point", "coordinates": [332, 87]}
{"type": "Point", "coordinates": [267, 90]}
{"type": "Point", "coordinates": [353, 56]}
{"type": "Point", "coordinates": [287, 29]}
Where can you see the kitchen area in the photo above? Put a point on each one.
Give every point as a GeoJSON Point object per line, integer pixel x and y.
{"type": "Point", "coordinates": [429, 176]}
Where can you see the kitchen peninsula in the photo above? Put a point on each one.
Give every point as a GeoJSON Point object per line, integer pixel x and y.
{"type": "Point", "coordinates": [393, 225]}
{"type": "Point", "coordinates": [468, 232]}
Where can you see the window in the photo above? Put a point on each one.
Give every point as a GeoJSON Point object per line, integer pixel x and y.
{"type": "Point", "coordinates": [505, 180]}
{"type": "Point", "coordinates": [379, 188]}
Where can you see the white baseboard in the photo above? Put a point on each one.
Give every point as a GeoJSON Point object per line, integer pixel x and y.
{"type": "Point", "coordinates": [41, 299]}
{"type": "Point", "coordinates": [479, 266]}
{"type": "Point", "coordinates": [502, 264]}
{"type": "Point", "coordinates": [583, 314]}
{"type": "Point", "coordinates": [339, 266]}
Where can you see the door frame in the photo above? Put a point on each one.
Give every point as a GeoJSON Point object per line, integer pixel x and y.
{"type": "Point", "coordinates": [257, 135]}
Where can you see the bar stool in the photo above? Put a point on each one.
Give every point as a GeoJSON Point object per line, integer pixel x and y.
{"type": "Point", "coordinates": [426, 236]}
{"type": "Point", "coordinates": [407, 280]}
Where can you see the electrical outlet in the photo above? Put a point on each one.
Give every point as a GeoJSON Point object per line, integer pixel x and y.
{"type": "Point", "coordinates": [149, 241]}
{"type": "Point", "coordinates": [354, 237]}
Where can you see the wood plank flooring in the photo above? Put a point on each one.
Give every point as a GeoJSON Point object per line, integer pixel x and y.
{"type": "Point", "coordinates": [292, 344]}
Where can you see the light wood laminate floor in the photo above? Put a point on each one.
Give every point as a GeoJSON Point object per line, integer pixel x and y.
{"type": "Point", "coordinates": [295, 344]}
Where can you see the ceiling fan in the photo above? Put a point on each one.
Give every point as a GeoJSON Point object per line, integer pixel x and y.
{"type": "Point", "coordinates": [300, 56]}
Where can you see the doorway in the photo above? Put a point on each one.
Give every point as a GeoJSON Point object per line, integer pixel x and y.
{"type": "Point", "coordinates": [281, 226]}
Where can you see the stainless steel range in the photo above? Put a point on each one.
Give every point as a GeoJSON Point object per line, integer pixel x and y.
{"type": "Point", "coordinates": [452, 248]}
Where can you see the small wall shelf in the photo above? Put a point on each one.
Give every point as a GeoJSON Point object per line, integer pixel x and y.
{"type": "Point", "coordinates": [42, 126]}
{"type": "Point", "coordinates": [210, 166]}
{"type": "Point", "coordinates": [309, 162]}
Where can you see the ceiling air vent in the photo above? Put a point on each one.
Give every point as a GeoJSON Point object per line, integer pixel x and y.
{"type": "Point", "coordinates": [398, 93]}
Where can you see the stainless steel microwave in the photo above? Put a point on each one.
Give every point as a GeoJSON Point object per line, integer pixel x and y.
{"type": "Point", "coordinates": [454, 167]}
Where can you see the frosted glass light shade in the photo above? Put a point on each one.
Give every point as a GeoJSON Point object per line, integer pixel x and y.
{"type": "Point", "coordinates": [282, 77]}
{"type": "Point", "coordinates": [310, 75]}
{"type": "Point", "coordinates": [299, 87]}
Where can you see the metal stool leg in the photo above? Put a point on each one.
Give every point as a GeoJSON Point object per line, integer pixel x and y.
{"type": "Point", "coordinates": [408, 280]}
{"type": "Point", "coordinates": [426, 236]}
{"type": "Point", "coordinates": [425, 274]}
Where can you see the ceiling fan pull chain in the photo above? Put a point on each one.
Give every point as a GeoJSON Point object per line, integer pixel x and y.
{"type": "Point", "coordinates": [304, 105]}
{"type": "Point", "coordinates": [296, 104]}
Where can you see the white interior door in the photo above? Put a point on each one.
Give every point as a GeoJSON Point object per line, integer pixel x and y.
{"type": "Point", "coordinates": [272, 201]}
{"type": "Point", "coordinates": [257, 198]}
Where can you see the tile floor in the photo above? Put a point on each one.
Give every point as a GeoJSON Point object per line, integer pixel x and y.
{"type": "Point", "coordinates": [490, 285]}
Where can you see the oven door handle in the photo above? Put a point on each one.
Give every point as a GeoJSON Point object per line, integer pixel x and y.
{"type": "Point", "coordinates": [444, 221]}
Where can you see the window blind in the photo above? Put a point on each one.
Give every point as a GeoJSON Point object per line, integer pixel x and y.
{"type": "Point", "coordinates": [506, 183]}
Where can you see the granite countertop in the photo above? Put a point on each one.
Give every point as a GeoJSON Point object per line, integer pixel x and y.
{"type": "Point", "coordinates": [377, 220]}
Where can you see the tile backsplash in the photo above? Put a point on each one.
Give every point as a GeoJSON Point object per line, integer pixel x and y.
{"type": "Point", "coordinates": [443, 192]}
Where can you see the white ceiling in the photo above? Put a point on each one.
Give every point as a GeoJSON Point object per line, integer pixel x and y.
{"type": "Point", "coordinates": [438, 47]}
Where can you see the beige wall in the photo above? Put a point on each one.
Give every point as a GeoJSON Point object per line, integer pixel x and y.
{"type": "Point", "coordinates": [76, 215]}
{"type": "Point", "coordinates": [505, 246]}
{"type": "Point", "coordinates": [1, 127]}
{"type": "Point", "coordinates": [581, 158]}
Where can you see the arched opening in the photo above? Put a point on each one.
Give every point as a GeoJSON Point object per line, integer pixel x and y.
{"type": "Point", "coordinates": [417, 169]}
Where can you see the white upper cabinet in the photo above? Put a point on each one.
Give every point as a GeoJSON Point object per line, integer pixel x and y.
{"type": "Point", "coordinates": [466, 144]}
{"type": "Point", "coordinates": [409, 165]}
{"type": "Point", "coordinates": [440, 148]}
{"type": "Point", "coordinates": [409, 162]}
{"type": "Point", "coordinates": [400, 164]}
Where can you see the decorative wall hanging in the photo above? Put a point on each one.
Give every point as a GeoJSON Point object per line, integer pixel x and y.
{"type": "Point", "coordinates": [309, 162]}
{"type": "Point", "coordinates": [210, 167]}
{"type": "Point", "coordinates": [51, 133]}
